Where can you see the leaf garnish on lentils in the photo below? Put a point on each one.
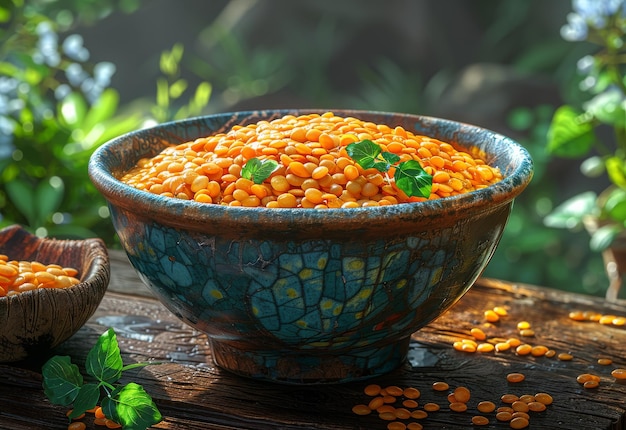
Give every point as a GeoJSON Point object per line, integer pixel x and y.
{"type": "Point", "coordinates": [409, 176]}
{"type": "Point", "coordinates": [258, 170]}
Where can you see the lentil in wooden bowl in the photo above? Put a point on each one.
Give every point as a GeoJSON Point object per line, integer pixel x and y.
{"type": "Point", "coordinates": [49, 288]}
{"type": "Point", "coordinates": [321, 270]}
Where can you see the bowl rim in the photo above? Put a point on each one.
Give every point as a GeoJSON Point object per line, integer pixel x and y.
{"type": "Point", "coordinates": [166, 208]}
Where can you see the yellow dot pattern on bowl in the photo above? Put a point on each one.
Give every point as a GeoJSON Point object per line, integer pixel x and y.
{"type": "Point", "coordinates": [314, 169]}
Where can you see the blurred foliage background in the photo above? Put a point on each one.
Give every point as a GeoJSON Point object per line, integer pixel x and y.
{"type": "Point", "coordinates": [74, 73]}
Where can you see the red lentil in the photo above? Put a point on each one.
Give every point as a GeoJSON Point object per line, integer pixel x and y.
{"type": "Point", "coordinates": [480, 420]}
{"type": "Point", "coordinates": [411, 393]}
{"type": "Point", "coordinates": [462, 394]}
{"type": "Point", "coordinates": [509, 398]}
{"type": "Point", "coordinates": [361, 410]}
{"type": "Point", "coordinates": [491, 316]}
{"type": "Point", "coordinates": [605, 361]}
{"type": "Point", "coordinates": [504, 416]}
{"type": "Point", "coordinates": [519, 406]}
{"type": "Point", "coordinates": [536, 406]}
{"type": "Point", "coordinates": [519, 423]}
{"type": "Point", "coordinates": [414, 426]}
{"type": "Point", "coordinates": [478, 333]}
{"type": "Point", "coordinates": [372, 390]}
{"type": "Point", "coordinates": [527, 398]}
{"type": "Point", "coordinates": [419, 414]}
{"type": "Point", "coordinates": [520, 414]}
{"type": "Point", "coordinates": [431, 407]}
{"type": "Point", "coordinates": [544, 398]}
{"type": "Point", "coordinates": [77, 426]}
{"type": "Point", "coordinates": [410, 403]}
{"type": "Point", "coordinates": [396, 425]}
{"type": "Point", "coordinates": [306, 147]}
{"type": "Point", "coordinates": [440, 386]}
{"type": "Point", "coordinates": [585, 377]}
{"type": "Point", "coordinates": [20, 276]}
{"type": "Point", "coordinates": [564, 356]}
{"type": "Point", "coordinates": [619, 373]}
{"type": "Point", "coordinates": [515, 377]}
{"type": "Point", "coordinates": [486, 407]}
{"type": "Point", "coordinates": [458, 406]}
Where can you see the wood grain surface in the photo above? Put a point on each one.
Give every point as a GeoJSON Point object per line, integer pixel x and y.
{"type": "Point", "coordinates": [194, 394]}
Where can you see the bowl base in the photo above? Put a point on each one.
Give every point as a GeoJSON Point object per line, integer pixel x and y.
{"type": "Point", "coordinates": [287, 366]}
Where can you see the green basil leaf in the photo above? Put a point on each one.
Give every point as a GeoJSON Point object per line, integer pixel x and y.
{"type": "Point", "coordinates": [87, 398]}
{"type": "Point", "coordinates": [104, 361]}
{"type": "Point", "coordinates": [411, 178]}
{"type": "Point", "coordinates": [365, 153]}
{"type": "Point", "coordinates": [131, 407]}
{"type": "Point", "coordinates": [390, 157]}
{"type": "Point", "coordinates": [61, 380]}
{"type": "Point", "coordinates": [257, 171]}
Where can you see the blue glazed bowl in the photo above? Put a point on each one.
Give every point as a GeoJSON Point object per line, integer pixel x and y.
{"type": "Point", "coordinates": [304, 295]}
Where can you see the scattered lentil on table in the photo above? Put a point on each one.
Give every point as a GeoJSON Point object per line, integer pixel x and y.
{"type": "Point", "coordinates": [314, 169]}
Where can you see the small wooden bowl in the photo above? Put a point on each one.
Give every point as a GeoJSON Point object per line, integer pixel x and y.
{"type": "Point", "coordinates": [33, 322]}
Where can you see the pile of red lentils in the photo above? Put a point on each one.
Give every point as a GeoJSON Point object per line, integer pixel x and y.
{"type": "Point", "coordinates": [314, 169]}
{"type": "Point", "coordinates": [20, 276]}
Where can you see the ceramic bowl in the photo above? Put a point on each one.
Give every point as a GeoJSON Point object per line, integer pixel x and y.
{"type": "Point", "coordinates": [304, 295]}
{"type": "Point", "coordinates": [33, 322]}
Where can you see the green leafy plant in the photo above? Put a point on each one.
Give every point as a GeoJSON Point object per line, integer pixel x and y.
{"type": "Point", "coordinates": [171, 87]}
{"type": "Point", "coordinates": [258, 170]}
{"type": "Point", "coordinates": [409, 176]}
{"type": "Point", "coordinates": [128, 405]}
{"type": "Point", "coordinates": [56, 107]}
{"type": "Point", "coordinates": [597, 129]}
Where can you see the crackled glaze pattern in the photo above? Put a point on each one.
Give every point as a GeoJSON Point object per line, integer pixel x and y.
{"type": "Point", "coordinates": [302, 295]}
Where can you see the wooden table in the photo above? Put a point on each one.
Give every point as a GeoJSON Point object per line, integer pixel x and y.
{"type": "Point", "coordinates": [192, 393]}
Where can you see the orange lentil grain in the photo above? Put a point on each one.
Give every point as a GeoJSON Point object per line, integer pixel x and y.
{"type": "Point", "coordinates": [394, 390]}
{"type": "Point", "coordinates": [480, 420]}
{"type": "Point", "coordinates": [386, 408]}
{"type": "Point", "coordinates": [527, 398]}
{"type": "Point", "coordinates": [440, 386]}
{"type": "Point", "coordinates": [485, 347]}
{"type": "Point", "coordinates": [527, 332]}
{"type": "Point", "coordinates": [544, 398]}
{"type": "Point", "coordinates": [361, 410]}
{"type": "Point", "coordinates": [387, 416]}
{"type": "Point", "coordinates": [519, 423]}
{"type": "Point", "coordinates": [586, 377]}
{"type": "Point", "coordinates": [410, 403]}
{"type": "Point", "coordinates": [509, 398]}
{"type": "Point", "coordinates": [564, 356]}
{"type": "Point", "coordinates": [605, 361]}
{"type": "Point", "coordinates": [520, 414]}
{"type": "Point", "coordinates": [414, 426]}
{"type": "Point", "coordinates": [419, 414]}
{"type": "Point", "coordinates": [519, 406]}
{"type": "Point", "coordinates": [523, 325]}
{"type": "Point", "coordinates": [478, 333]}
{"type": "Point", "coordinates": [504, 416]}
{"type": "Point", "coordinates": [431, 407]}
{"type": "Point", "coordinates": [536, 406]}
{"type": "Point", "coordinates": [402, 413]}
{"type": "Point", "coordinates": [501, 311]}
{"type": "Point", "coordinates": [376, 403]}
{"type": "Point", "coordinates": [372, 390]}
{"type": "Point", "coordinates": [523, 349]}
{"type": "Point", "coordinates": [486, 406]}
{"type": "Point", "coordinates": [550, 353]}
{"type": "Point", "coordinates": [462, 394]}
{"type": "Point", "coordinates": [77, 426]}
{"type": "Point", "coordinates": [458, 406]}
{"type": "Point", "coordinates": [538, 351]}
{"type": "Point", "coordinates": [514, 378]}
{"type": "Point", "coordinates": [411, 393]}
{"type": "Point", "coordinates": [491, 316]}
{"type": "Point", "coordinates": [396, 425]}
{"type": "Point", "coordinates": [619, 373]}
{"type": "Point", "coordinates": [591, 384]}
